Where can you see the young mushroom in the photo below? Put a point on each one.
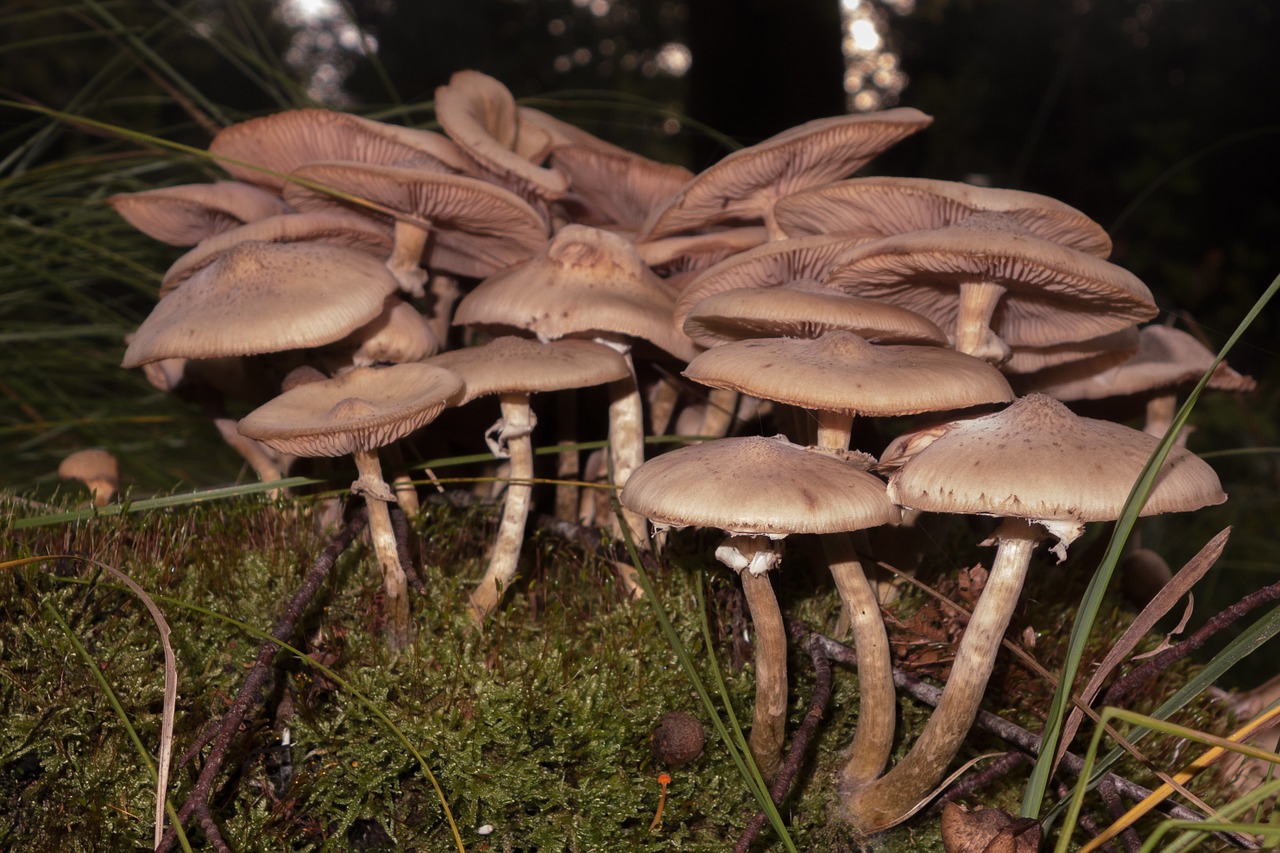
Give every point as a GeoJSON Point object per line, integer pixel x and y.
{"type": "Point", "coordinates": [357, 413]}
{"type": "Point", "coordinates": [97, 469]}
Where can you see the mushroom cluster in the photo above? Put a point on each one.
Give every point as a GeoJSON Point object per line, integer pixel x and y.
{"type": "Point", "coordinates": [357, 250]}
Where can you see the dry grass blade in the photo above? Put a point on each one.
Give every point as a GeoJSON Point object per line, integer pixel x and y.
{"type": "Point", "coordinates": [1161, 604]}
{"type": "Point", "coordinates": [165, 753]}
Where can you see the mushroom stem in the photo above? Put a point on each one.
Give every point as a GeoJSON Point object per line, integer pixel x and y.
{"type": "Point", "coordinates": [626, 444]}
{"type": "Point", "coordinates": [751, 557]}
{"type": "Point", "coordinates": [405, 262]}
{"type": "Point", "coordinates": [978, 301]}
{"type": "Point", "coordinates": [394, 583]}
{"type": "Point", "coordinates": [894, 796]}
{"type": "Point", "coordinates": [517, 425]}
{"type": "Point", "coordinates": [717, 418]}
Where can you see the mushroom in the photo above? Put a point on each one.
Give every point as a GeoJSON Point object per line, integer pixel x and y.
{"type": "Point", "coordinates": [186, 214]}
{"type": "Point", "coordinates": [514, 368]}
{"type": "Point", "coordinates": [1039, 468]}
{"type": "Point", "coordinates": [357, 413]}
{"type": "Point", "coordinates": [759, 490]}
{"type": "Point", "coordinates": [97, 469]}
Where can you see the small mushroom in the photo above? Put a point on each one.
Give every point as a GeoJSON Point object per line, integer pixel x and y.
{"type": "Point", "coordinates": [97, 469]}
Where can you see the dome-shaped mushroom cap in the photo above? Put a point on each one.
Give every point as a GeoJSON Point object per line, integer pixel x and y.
{"type": "Point", "coordinates": [585, 282]}
{"type": "Point", "coordinates": [264, 297]}
{"type": "Point", "coordinates": [880, 207]}
{"type": "Point", "coordinates": [841, 372]}
{"type": "Point", "coordinates": [363, 409]}
{"type": "Point", "coordinates": [745, 183]}
{"type": "Point", "coordinates": [92, 463]}
{"type": "Point", "coordinates": [186, 214]}
{"type": "Point", "coordinates": [1038, 461]}
{"type": "Point", "coordinates": [520, 365]}
{"type": "Point", "coordinates": [757, 486]}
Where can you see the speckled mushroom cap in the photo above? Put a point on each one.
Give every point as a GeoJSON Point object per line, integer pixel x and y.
{"type": "Point", "coordinates": [586, 282]}
{"type": "Point", "coordinates": [772, 264]}
{"type": "Point", "coordinates": [337, 227]}
{"type": "Point", "coordinates": [264, 297]}
{"type": "Point", "coordinates": [1054, 294]}
{"type": "Point", "coordinates": [186, 214]}
{"type": "Point", "coordinates": [757, 487]}
{"type": "Point", "coordinates": [880, 207]}
{"type": "Point", "coordinates": [480, 115]}
{"type": "Point", "coordinates": [476, 227]}
{"type": "Point", "coordinates": [841, 372]}
{"type": "Point", "coordinates": [744, 185]}
{"type": "Point", "coordinates": [1036, 460]}
{"type": "Point", "coordinates": [803, 309]}
{"type": "Point", "coordinates": [1166, 359]}
{"type": "Point", "coordinates": [520, 365]}
{"type": "Point", "coordinates": [283, 141]}
{"type": "Point", "coordinates": [364, 409]}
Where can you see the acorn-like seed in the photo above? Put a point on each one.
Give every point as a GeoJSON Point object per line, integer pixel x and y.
{"type": "Point", "coordinates": [678, 739]}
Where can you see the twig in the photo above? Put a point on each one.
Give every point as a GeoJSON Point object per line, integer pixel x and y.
{"type": "Point", "coordinates": [197, 803]}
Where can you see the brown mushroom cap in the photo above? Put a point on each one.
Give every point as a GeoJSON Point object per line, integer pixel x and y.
{"type": "Point", "coordinates": [744, 184]}
{"type": "Point", "coordinates": [840, 372]}
{"type": "Point", "coordinates": [397, 335]}
{"type": "Point", "coordinates": [615, 187]}
{"type": "Point", "coordinates": [264, 297]}
{"type": "Point", "coordinates": [475, 227]}
{"type": "Point", "coordinates": [1054, 294]}
{"type": "Point", "coordinates": [186, 214]}
{"type": "Point", "coordinates": [1092, 354]}
{"type": "Point", "coordinates": [521, 365]}
{"type": "Point", "coordinates": [757, 486]}
{"type": "Point", "coordinates": [1037, 461]}
{"type": "Point", "coordinates": [586, 282]}
{"type": "Point", "coordinates": [364, 409]}
{"type": "Point", "coordinates": [803, 309]}
{"type": "Point", "coordinates": [880, 207]}
{"type": "Point", "coordinates": [94, 467]}
{"type": "Point", "coordinates": [282, 142]}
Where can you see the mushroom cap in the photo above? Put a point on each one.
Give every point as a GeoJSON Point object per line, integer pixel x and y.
{"type": "Point", "coordinates": [1055, 294]}
{"type": "Point", "coordinates": [1037, 461]}
{"type": "Point", "coordinates": [1167, 359]}
{"type": "Point", "coordinates": [264, 297]}
{"type": "Point", "coordinates": [476, 227]}
{"type": "Point", "coordinates": [480, 115]}
{"type": "Point", "coordinates": [840, 372]}
{"type": "Point", "coordinates": [184, 215]}
{"type": "Point", "coordinates": [880, 207]}
{"type": "Point", "coordinates": [281, 142]}
{"type": "Point", "coordinates": [757, 486]}
{"type": "Point", "coordinates": [1097, 353]}
{"type": "Point", "coordinates": [336, 226]}
{"type": "Point", "coordinates": [397, 335]}
{"type": "Point", "coordinates": [92, 463]}
{"type": "Point", "coordinates": [363, 409]}
{"type": "Point", "coordinates": [803, 309]}
{"type": "Point", "coordinates": [745, 184]}
{"type": "Point", "coordinates": [585, 282]}
{"type": "Point", "coordinates": [771, 264]}
{"type": "Point", "coordinates": [519, 365]}
{"type": "Point", "coordinates": [615, 187]}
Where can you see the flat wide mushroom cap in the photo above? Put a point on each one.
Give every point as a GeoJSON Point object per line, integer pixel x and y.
{"type": "Point", "coordinates": [586, 282]}
{"type": "Point", "coordinates": [757, 487]}
{"type": "Point", "coordinates": [744, 185]}
{"type": "Point", "coordinates": [1036, 460]}
{"type": "Point", "coordinates": [184, 215]}
{"type": "Point", "coordinates": [364, 409]}
{"type": "Point", "coordinates": [803, 309]}
{"type": "Point", "coordinates": [1091, 355]}
{"type": "Point", "coordinates": [841, 372]}
{"type": "Point", "coordinates": [264, 297]}
{"type": "Point", "coordinates": [1054, 294]}
{"type": "Point", "coordinates": [520, 365]}
{"type": "Point", "coordinates": [281, 142]}
{"type": "Point", "coordinates": [615, 187]}
{"type": "Point", "coordinates": [881, 207]}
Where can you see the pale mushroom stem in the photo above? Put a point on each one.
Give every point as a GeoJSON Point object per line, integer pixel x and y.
{"type": "Point", "coordinates": [717, 418]}
{"type": "Point", "coordinates": [978, 301]}
{"type": "Point", "coordinates": [568, 464]}
{"type": "Point", "coordinates": [515, 433]}
{"type": "Point", "coordinates": [254, 452]}
{"type": "Point", "coordinates": [1160, 412]}
{"type": "Point", "coordinates": [894, 796]}
{"type": "Point", "coordinates": [868, 754]}
{"type": "Point", "coordinates": [751, 556]}
{"type": "Point", "coordinates": [395, 585]}
{"type": "Point", "coordinates": [405, 491]}
{"type": "Point", "coordinates": [405, 262]}
{"type": "Point", "coordinates": [626, 443]}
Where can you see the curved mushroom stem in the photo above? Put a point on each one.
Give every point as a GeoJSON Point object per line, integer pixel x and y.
{"type": "Point", "coordinates": [978, 301]}
{"type": "Point", "coordinates": [394, 583]}
{"type": "Point", "coordinates": [515, 430]}
{"type": "Point", "coordinates": [405, 262]}
{"type": "Point", "coordinates": [751, 557]}
{"type": "Point", "coordinates": [895, 795]}
{"type": "Point", "coordinates": [868, 754]}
